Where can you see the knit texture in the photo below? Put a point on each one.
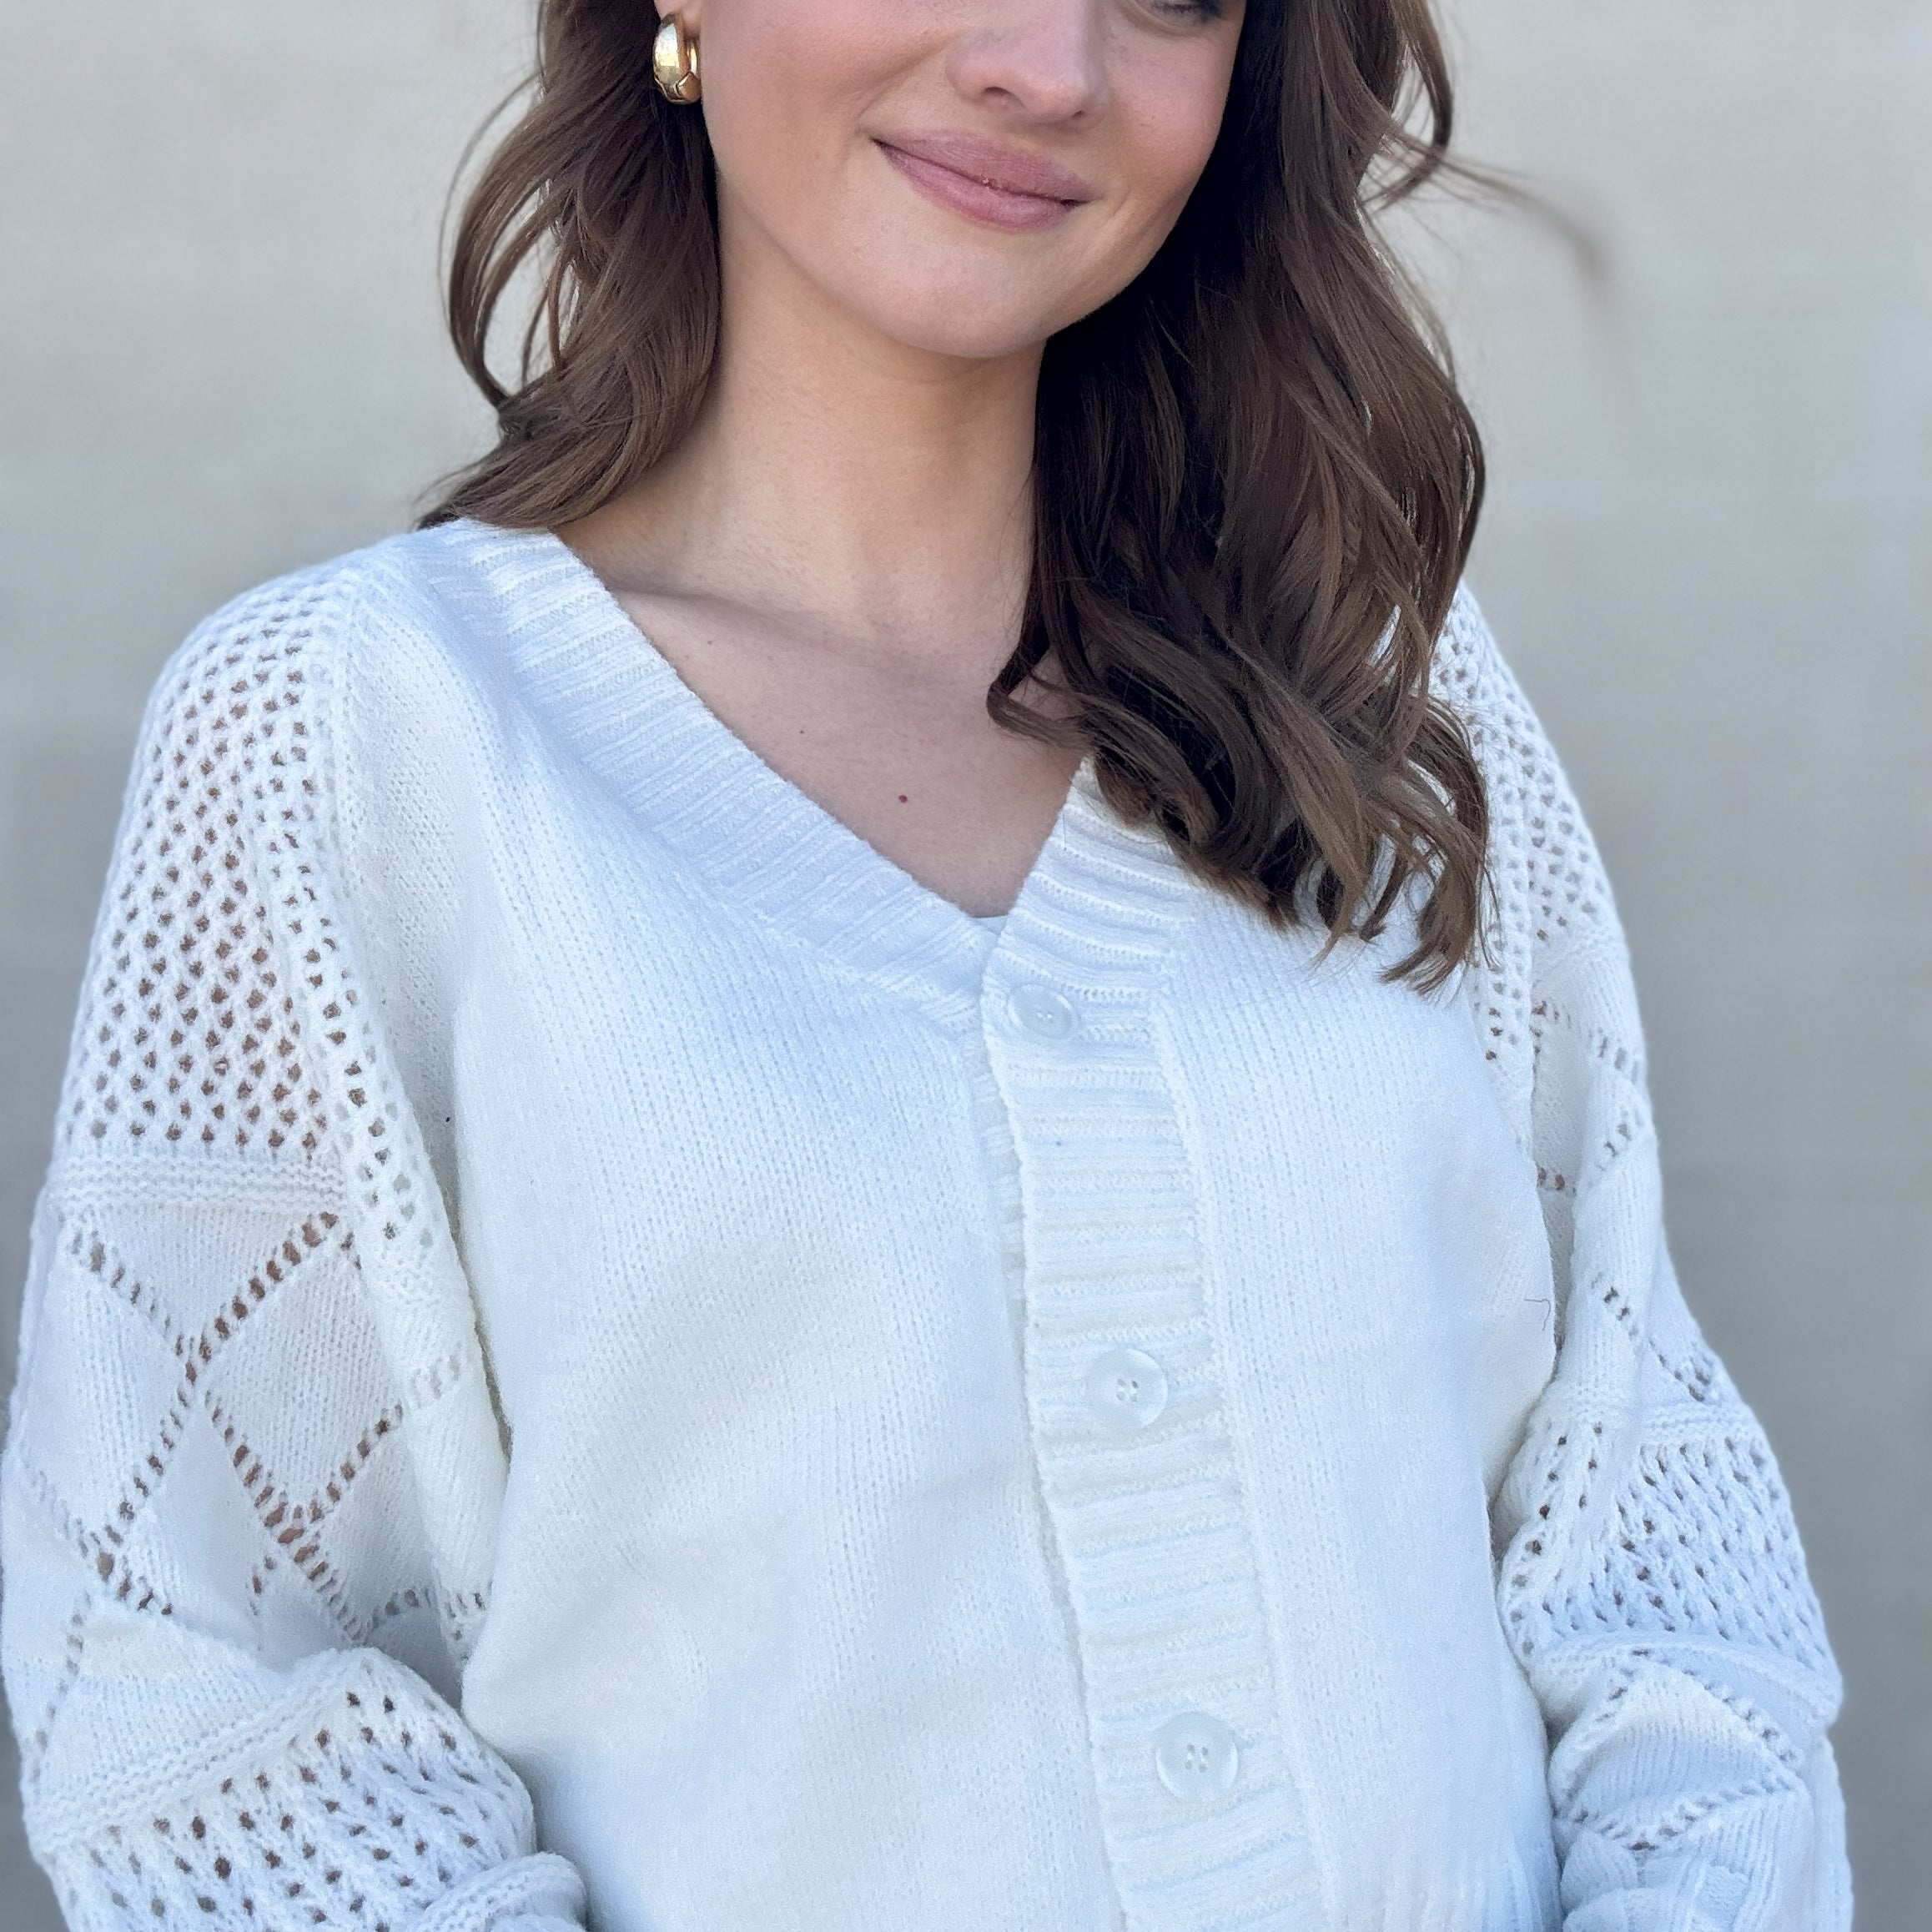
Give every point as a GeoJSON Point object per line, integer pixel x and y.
{"type": "Point", "coordinates": [576, 1305]}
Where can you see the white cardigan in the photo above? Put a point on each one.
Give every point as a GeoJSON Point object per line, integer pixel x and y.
{"type": "Point", "coordinates": [874, 1419]}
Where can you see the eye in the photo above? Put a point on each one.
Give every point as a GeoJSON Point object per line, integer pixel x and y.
{"type": "Point", "coordinates": [1185, 13]}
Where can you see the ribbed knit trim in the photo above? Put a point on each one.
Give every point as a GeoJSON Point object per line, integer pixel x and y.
{"type": "Point", "coordinates": [764, 846]}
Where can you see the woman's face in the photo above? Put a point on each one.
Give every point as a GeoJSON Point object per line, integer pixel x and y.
{"type": "Point", "coordinates": [962, 176]}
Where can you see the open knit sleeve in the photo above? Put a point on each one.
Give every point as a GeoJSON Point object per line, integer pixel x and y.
{"type": "Point", "coordinates": [251, 1471]}
{"type": "Point", "coordinates": [1650, 1577]}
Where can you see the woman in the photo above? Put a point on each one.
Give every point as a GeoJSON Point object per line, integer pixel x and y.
{"type": "Point", "coordinates": [892, 1107]}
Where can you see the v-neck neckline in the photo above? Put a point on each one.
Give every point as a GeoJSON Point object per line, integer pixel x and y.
{"type": "Point", "coordinates": [680, 770]}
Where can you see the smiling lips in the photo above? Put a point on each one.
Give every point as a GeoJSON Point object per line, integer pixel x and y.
{"type": "Point", "coordinates": [1003, 187]}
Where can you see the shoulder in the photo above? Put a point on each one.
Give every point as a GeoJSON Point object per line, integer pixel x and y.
{"type": "Point", "coordinates": [435, 589]}
{"type": "Point", "coordinates": [1466, 650]}
{"type": "Point", "coordinates": [335, 725]}
{"type": "Point", "coordinates": [1470, 674]}
{"type": "Point", "coordinates": [1554, 965]}
{"type": "Point", "coordinates": [309, 763]}
{"type": "Point", "coordinates": [1539, 840]}
{"type": "Point", "coordinates": [367, 656]}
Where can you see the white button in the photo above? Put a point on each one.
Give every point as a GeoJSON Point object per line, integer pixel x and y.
{"type": "Point", "coordinates": [1040, 1011]}
{"type": "Point", "coordinates": [1197, 1756]}
{"type": "Point", "coordinates": [1128, 1389]}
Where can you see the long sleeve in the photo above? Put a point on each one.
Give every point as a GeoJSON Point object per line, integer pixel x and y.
{"type": "Point", "coordinates": [1651, 1581]}
{"type": "Point", "coordinates": [251, 1468]}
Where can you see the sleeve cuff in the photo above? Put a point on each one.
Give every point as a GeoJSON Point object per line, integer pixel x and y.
{"type": "Point", "coordinates": [541, 1893]}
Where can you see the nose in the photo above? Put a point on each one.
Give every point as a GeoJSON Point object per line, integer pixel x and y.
{"type": "Point", "coordinates": [1043, 60]}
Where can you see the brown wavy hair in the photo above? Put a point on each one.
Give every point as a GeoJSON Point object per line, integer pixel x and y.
{"type": "Point", "coordinates": [1257, 481]}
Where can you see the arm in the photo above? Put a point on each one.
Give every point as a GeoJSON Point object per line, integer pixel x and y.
{"type": "Point", "coordinates": [252, 1465]}
{"type": "Point", "coordinates": [1651, 1581]}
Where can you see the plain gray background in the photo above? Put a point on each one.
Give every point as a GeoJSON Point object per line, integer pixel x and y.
{"type": "Point", "coordinates": [1708, 552]}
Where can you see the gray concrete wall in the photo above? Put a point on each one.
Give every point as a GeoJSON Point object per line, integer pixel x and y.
{"type": "Point", "coordinates": [1709, 552]}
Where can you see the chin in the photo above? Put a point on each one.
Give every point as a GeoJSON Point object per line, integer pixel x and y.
{"type": "Point", "coordinates": [958, 326]}
{"type": "Point", "coordinates": [977, 316]}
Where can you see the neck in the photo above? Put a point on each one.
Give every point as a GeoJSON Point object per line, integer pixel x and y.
{"type": "Point", "coordinates": [837, 477]}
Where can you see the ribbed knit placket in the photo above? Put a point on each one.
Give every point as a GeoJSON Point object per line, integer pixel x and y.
{"type": "Point", "coordinates": [1127, 1401]}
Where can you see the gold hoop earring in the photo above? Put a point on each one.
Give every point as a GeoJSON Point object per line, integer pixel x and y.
{"type": "Point", "coordinates": [674, 63]}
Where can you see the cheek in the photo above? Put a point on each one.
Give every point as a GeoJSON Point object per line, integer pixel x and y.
{"type": "Point", "coordinates": [1169, 116]}
{"type": "Point", "coordinates": [785, 83]}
